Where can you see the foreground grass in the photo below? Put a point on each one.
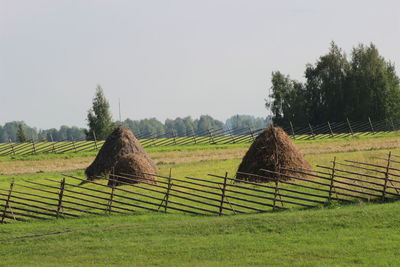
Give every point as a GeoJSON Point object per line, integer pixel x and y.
{"type": "Point", "coordinates": [361, 234]}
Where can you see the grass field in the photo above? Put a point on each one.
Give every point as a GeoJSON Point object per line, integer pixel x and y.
{"type": "Point", "coordinates": [353, 235]}
{"type": "Point", "coordinates": [33, 148]}
{"type": "Point", "coordinates": [365, 234]}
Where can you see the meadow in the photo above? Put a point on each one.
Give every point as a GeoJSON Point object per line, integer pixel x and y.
{"type": "Point", "coordinates": [331, 234]}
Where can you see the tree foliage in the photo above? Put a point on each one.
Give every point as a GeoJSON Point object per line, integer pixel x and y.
{"type": "Point", "coordinates": [99, 117]}
{"type": "Point", "coordinates": [9, 132]}
{"type": "Point", "coordinates": [336, 88]}
{"type": "Point", "coordinates": [178, 127]}
{"type": "Point", "coordinates": [206, 123]}
{"type": "Point", "coordinates": [21, 134]}
{"type": "Point", "coordinates": [149, 128]}
{"type": "Point", "coordinates": [238, 123]}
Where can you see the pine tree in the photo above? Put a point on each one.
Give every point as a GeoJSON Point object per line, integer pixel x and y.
{"type": "Point", "coordinates": [20, 134]}
{"type": "Point", "coordinates": [99, 117]}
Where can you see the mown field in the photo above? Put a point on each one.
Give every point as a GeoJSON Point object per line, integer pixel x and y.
{"type": "Point", "coordinates": [332, 234]}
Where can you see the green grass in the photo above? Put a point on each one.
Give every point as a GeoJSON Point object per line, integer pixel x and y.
{"type": "Point", "coordinates": [334, 234]}
{"type": "Point", "coordinates": [170, 147]}
{"type": "Point", "coordinates": [365, 235]}
{"type": "Point", "coordinates": [198, 169]}
{"type": "Point", "coordinates": [68, 155]}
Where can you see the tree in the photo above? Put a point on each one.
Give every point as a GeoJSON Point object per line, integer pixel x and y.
{"type": "Point", "coordinates": [337, 88]}
{"type": "Point", "coordinates": [151, 128]}
{"type": "Point", "coordinates": [20, 134]}
{"type": "Point", "coordinates": [206, 123]}
{"type": "Point", "coordinates": [238, 122]}
{"type": "Point", "coordinates": [287, 100]}
{"type": "Point", "coordinates": [190, 126]}
{"type": "Point", "coordinates": [327, 82]}
{"type": "Point", "coordinates": [3, 135]}
{"type": "Point", "coordinates": [374, 86]}
{"type": "Point", "coordinates": [134, 126]}
{"type": "Point", "coordinates": [176, 127]}
{"type": "Point", "coordinates": [99, 117]}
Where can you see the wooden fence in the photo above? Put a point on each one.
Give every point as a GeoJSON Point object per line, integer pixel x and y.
{"type": "Point", "coordinates": [346, 181]}
{"type": "Point", "coordinates": [210, 136]}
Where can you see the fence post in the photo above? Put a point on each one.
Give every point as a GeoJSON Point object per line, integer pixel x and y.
{"type": "Point", "coordinates": [330, 129]}
{"type": "Point", "coordinates": [332, 179]}
{"type": "Point", "coordinates": [211, 136]}
{"type": "Point", "coordinates": [276, 191]}
{"type": "Point", "coordinates": [232, 135]}
{"type": "Point", "coordinates": [223, 194]}
{"type": "Point", "coordinates": [95, 141]}
{"type": "Point", "coordinates": [174, 136]}
{"type": "Point", "coordinates": [386, 177]}
{"type": "Point", "coordinates": [194, 137]}
{"type": "Point", "coordinates": [60, 196]}
{"type": "Point", "coordinates": [168, 189]}
{"type": "Point", "coordinates": [312, 132]}
{"type": "Point", "coordinates": [370, 123]}
{"type": "Point", "coordinates": [166, 197]}
{"type": "Point", "coordinates": [348, 122]}
{"type": "Point", "coordinates": [110, 201]}
{"type": "Point", "coordinates": [33, 145]}
{"type": "Point", "coordinates": [252, 135]}
{"type": "Point", "coordinates": [51, 137]}
{"type": "Point", "coordinates": [12, 146]}
{"type": "Point", "coordinates": [291, 127]}
{"type": "Point", "coordinates": [7, 201]}
{"type": "Point", "coordinates": [73, 143]}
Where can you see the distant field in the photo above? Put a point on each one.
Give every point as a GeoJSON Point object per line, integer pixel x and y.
{"type": "Point", "coordinates": [354, 230]}
{"type": "Point", "coordinates": [66, 147]}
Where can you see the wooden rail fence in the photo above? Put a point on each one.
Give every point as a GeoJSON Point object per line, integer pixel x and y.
{"type": "Point", "coordinates": [209, 136]}
{"type": "Point", "coordinates": [346, 181]}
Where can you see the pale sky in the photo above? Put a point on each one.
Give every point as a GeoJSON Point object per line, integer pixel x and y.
{"type": "Point", "coordinates": [170, 58]}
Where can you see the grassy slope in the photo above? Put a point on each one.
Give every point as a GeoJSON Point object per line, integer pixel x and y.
{"type": "Point", "coordinates": [365, 234]}
{"type": "Point", "coordinates": [358, 234]}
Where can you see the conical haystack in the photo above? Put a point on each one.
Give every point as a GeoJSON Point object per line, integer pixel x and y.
{"type": "Point", "coordinates": [274, 151]}
{"type": "Point", "coordinates": [136, 168]}
{"type": "Point", "coordinates": [120, 142]}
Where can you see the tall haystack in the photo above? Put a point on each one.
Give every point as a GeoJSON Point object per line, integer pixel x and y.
{"type": "Point", "coordinates": [274, 151]}
{"type": "Point", "coordinates": [133, 168]}
{"type": "Point", "coordinates": [120, 142]}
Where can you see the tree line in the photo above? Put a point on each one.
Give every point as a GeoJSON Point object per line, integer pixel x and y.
{"type": "Point", "coordinates": [188, 126]}
{"type": "Point", "coordinates": [17, 131]}
{"type": "Point", "coordinates": [360, 86]}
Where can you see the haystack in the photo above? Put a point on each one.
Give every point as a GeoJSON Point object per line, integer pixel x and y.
{"type": "Point", "coordinates": [274, 151]}
{"type": "Point", "coordinates": [136, 168]}
{"type": "Point", "coordinates": [120, 142]}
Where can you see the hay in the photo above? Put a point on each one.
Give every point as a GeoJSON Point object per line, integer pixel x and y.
{"type": "Point", "coordinates": [120, 142]}
{"type": "Point", "coordinates": [271, 150]}
{"type": "Point", "coordinates": [137, 166]}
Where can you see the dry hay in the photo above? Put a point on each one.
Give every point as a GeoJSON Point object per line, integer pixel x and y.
{"type": "Point", "coordinates": [120, 142]}
{"type": "Point", "coordinates": [272, 150]}
{"type": "Point", "coordinates": [136, 168]}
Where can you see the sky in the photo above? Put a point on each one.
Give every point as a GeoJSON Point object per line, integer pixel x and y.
{"type": "Point", "coordinates": [171, 58]}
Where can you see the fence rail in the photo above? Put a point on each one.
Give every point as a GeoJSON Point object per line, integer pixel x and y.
{"type": "Point", "coordinates": [217, 195]}
{"type": "Point", "coordinates": [209, 136]}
